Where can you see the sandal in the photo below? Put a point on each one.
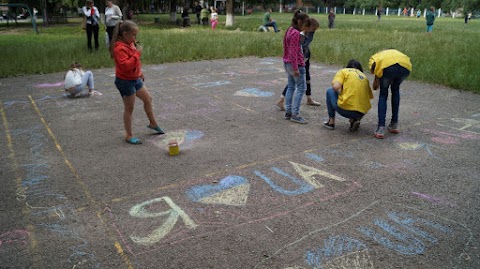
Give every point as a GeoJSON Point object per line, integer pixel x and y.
{"type": "Point", "coordinates": [159, 131]}
{"type": "Point", "coordinates": [133, 141]}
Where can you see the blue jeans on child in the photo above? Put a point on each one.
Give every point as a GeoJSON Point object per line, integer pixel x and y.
{"type": "Point", "coordinates": [87, 80]}
{"type": "Point", "coordinates": [332, 107]}
{"type": "Point", "coordinates": [296, 89]}
{"type": "Point", "coordinates": [392, 77]}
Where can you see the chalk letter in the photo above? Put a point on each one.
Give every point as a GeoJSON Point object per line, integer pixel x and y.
{"type": "Point", "coordinates": [140, 211]}
{"type": "Point", "coordinates": [308, 172]}
{"type": "Point", "coordinates": [303, 187]}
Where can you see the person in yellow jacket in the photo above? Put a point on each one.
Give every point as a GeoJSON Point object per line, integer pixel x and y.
{"type": "Point", "coordinates": [391, 67]}
{"type": "Point", "coordinates": [349, 95]}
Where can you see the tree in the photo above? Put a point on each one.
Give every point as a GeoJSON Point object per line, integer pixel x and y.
{"type": "Point", "coordinates": [230, 17]}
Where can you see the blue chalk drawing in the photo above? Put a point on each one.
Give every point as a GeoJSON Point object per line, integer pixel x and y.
{"type": "Point", "coordinates": [197, 193]}
{"type": "Point", "coordinates": [254, 92]}
{"type": "Point", "coordinates": [314, 157]}
{"type": "Point", "coordinates": [333, 246]}
{"type": "Point", "coordinates": [211, 84]}
{"type": "Point", "coordinates": [304, 187]}
{"type": "Point", "coordinates": [404, 236]}
{"type": "Point", "coordinates": [193, 135]}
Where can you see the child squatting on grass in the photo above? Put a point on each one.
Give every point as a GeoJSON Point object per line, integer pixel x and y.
{"type": "Point", "coordinates": [129, 77]}
{"type": "Point", "coordinates": [391, 68]}
{"type": "Point", "coordinates": [76, 80]}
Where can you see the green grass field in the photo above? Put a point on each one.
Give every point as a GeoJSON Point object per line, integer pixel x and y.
{"type": "Point", "coordinates": [448, 57]}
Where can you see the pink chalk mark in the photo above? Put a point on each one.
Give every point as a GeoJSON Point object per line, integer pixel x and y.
{"type": "Point", "coordinates": [432, 199]}
{"type": "Point", "coordinates": [15, 236]}
{"type": "Point", "coordinates": [49, 85]}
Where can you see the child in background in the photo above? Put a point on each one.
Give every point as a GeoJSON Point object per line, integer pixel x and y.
{"type": "Point", "coordinates": [295, 69]}
{"type": "Point", "coordinates": [331, 19]}
{"type": "Point", "coordinates": [76, 80]}
{"type": "Point", "coordinates": [126, 52]}
{"type": "Point", "coordinates": [214, 18]}
{"type": "Point", "coordinates": [311, 25]}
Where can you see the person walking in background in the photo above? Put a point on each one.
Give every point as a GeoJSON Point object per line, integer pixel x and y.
{"type": "Point", "coordinates": [129, 77]}
{"type": "Point", "coordinates": [113, 15]}
{"type": "Point", "coordinates": [311, 25]}
{"type": "Point", "coordinates": [76, 80]}
{"type": "Point", "coordinates": [198, 9]}
{"type": "Point", "coordinates": [391, 67]}
{"type": "Point", "coordinates": [295, 69]}
{"type": "Point", "coordinates": [268, 21]}
{"type": "Point", "coordinates": [419, 13]}
{"type": "Point", "coordinates": [349, 95]}
{"type": "Point", "coordinates": [331, 19]}
{"type": "Point", "coordinates": [430, 17]}
{"type": "Point", "coordinates": [185, 17]}
{"type": "Point", "coordinates": [204, 15]}
{"type": "Point", "coordinates": [93, 17]}
{"type": "Point", "coordinates": [379, 13]}
{"type": "Point", "coordinates": [213, 18]}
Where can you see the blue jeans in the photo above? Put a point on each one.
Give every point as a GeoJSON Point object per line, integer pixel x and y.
{"type": "Point", "coordinates": [332, 107]}
{"type": "Point", "coordinates": [87, 80]}
{"type": "Point", "coordinates": [295, 89]}
{"type": "Point", "coordinates": [392, 77]}
{"type": "Point", "coordinates": [273, 24]}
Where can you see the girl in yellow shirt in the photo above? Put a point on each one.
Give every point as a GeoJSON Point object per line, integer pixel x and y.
{"type": "Point", "coordinates": [349, 95]}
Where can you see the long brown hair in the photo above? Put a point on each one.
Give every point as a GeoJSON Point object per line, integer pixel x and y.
{"type": "Point", "coordinates": [121, 28]}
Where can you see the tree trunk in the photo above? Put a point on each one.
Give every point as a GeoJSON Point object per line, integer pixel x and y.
{"type": "Point", "coordinates": [173, 11]}
{"type": "Point", "coordinates": [230, 17]}
{"type": "Point", "coordinates": [299, 4]}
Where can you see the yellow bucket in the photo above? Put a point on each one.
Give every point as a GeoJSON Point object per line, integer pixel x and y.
{"type": "Point", "coordinates": [173, 148]}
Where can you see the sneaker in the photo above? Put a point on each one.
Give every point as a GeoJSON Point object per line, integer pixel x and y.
{"type": "Point", "coordinates": [354, 125]}
{"type": "Point", "coordinates": [298, 119]}
{"type": "Point", "coordinates": [288, 116]}
{"type": "Point", "coordinates": [328, 125]}
{"type": "Point", "coordinates": [393, 128]}
{"type": "Point", "coordinates": [380, 132]}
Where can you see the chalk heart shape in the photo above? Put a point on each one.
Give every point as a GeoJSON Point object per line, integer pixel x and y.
{"type": "Point", "coordinates": [231, 190]}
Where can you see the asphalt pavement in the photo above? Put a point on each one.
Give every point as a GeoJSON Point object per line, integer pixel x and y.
{"type": "Point", "coordinates": [248, 188]}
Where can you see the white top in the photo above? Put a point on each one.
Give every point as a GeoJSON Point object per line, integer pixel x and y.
{"type": "Point", "coordinates": [214, 16]}
{"type": "Point", "coordinates": [73, 78]}
{"type": "Point", "coordinates": [112, 15]}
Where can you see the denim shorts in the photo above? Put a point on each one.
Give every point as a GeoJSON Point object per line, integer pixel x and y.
{"type": "Point", "coordinates": [128, 87]}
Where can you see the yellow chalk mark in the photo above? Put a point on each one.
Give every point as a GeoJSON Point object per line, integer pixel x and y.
{"type": "Point", "coordinates": [307, 173]}
{"type": "Point", "coordinates": [236, 196]}
{"type": "Point", "coordinates": [78, 180]}
{"type": "Point", "coordinates": [246, 108]}
{"type": "Point", "coordinates": [19, 188]}
{"type": "Point", "coordinates": [123, 255]}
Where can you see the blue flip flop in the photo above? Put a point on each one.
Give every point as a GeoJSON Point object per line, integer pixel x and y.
{"type": "Point", "coordinates": [133, 141]}
{"type": "Point", "coordinates": [159, 131]}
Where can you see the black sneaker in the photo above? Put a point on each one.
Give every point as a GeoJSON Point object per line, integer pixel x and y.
{"type": "Point", "coordinates": [354, 125]}
{"type": "Point", "coordinates": [288, 116]}
{"type": "Point", "coordinates": [328, 126]}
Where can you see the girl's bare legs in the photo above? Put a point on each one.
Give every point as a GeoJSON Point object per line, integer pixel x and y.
{"type": "Point", "coordinates": [129, 103]}
{"type": "Point", "coordinates": [145, 96]}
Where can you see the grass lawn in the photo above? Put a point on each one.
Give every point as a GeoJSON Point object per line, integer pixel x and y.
{"type": "Point", "coordinates": [449, 56]}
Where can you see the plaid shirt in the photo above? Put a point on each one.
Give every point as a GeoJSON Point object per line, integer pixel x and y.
{"type": "Point", "coordinates": [292, 49]}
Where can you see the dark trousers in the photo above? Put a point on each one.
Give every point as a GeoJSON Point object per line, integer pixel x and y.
{"type": "Point", "coordinates": [198, 18]}
{"type": "Point", "coordinates": [308, 92]}
{"type": "Point", "coordinates": [92, 29]}
{"type": "Point", "coordinates": [110, 32]}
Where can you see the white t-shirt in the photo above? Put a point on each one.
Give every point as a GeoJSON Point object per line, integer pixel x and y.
{"type": "Point", "coordinates": [214, 15]}
{"type": "Point", "coordinates": [73, 78]}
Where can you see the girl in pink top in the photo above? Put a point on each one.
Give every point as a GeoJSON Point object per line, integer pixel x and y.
{"type": "Point", "coordinates": [295, 69]}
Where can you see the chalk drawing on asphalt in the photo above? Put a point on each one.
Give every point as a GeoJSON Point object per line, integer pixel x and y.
{"type": "Point", "coordinates": [253, 92]}
{"type": "Point", "coordinates": [231, 190]}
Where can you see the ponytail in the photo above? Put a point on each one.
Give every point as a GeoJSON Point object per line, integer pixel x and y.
{"type": "Point", "coordinates": [120, 28]}
{"type": "Point", "coordinates": [114, 39]}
